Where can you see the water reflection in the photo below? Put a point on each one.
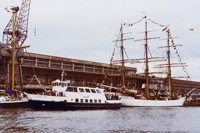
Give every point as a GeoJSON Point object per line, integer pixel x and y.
{"type": "Point", "coordinates": [146, 119]}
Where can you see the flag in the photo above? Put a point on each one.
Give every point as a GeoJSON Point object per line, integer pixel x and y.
{"type": "Point", "coordinates": [165, 29]}
{"type": "Point", "coordinates": [10, 47]}
{"type": "Point", "coordinates": [191, 29]}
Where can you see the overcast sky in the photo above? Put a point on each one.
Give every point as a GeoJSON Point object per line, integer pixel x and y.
{"type": "Point", "coordinates": [85, 29]}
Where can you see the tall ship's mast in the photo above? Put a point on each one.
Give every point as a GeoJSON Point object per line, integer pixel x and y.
{"type": "Point", "coordinates": [14, 10]}
{"type": "Point", "coordinates": [147, 60]}
{"type": "Point", "coordinates": [122, 56]}
{"type": "Point", "coordinates": [169, 66]}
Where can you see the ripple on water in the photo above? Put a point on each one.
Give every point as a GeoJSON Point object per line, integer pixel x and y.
{"type": "Point", "coordinates": [137, 119]}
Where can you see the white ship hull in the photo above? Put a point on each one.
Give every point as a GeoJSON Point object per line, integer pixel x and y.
{"type": "Point", "coordinates": [132, 102]}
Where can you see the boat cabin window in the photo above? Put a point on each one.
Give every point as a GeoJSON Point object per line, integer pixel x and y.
{"type": "Point", "coordinates": [81, 100]}
{"type": "Point", "coordinates": [81, 90]}
{"type": "Point", "coordinates": [63, 84]}
{"type": "Point", "coordinates": [87, 90]}
{"type": "Point", "coordinates": [91, 101]}
{"type": "Point", "coordinates": [72, 89]}
{"type": "Point", "coordinates": [98, 91]}
{"type": "Point", "coordinates": [75, 89]}
{"type": "Point", "coordinates": [55, 84]}
{"type": "Point", "coordinates": [99, 100]}
{"type": "Point", "coordinates": [93, 90]}
{"type": "Point", "coordinates": [95, 100]}
{"type": "Point", "coordinates": [76, 100]}
{"type": "Point", "coordinates": [86, 100]}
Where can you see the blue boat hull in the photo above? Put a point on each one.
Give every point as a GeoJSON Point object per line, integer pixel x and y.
{"type": "Point", "coordinates": [52, 105]}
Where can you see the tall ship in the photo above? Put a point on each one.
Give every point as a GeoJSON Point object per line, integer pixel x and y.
{"type": "Point", "coordinates": [63, 96]}
{"type": "Point", "coordinates": [156, 91]}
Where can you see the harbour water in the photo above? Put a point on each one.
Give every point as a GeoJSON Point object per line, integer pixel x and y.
{"type": "Point", "coordinates": [137, 119]}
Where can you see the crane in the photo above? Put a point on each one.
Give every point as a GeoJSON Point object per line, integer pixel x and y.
{"type": "Point", "coordinates": [14, 39]}
{"type": "Point", "coordinates": [21, 28]}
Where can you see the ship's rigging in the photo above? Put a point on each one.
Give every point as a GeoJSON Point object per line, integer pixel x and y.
{"type": "Point", "coordinates": [147, 59]}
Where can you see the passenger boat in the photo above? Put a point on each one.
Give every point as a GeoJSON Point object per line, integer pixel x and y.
{"type": "Point", "coordinates": [66, 97]}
